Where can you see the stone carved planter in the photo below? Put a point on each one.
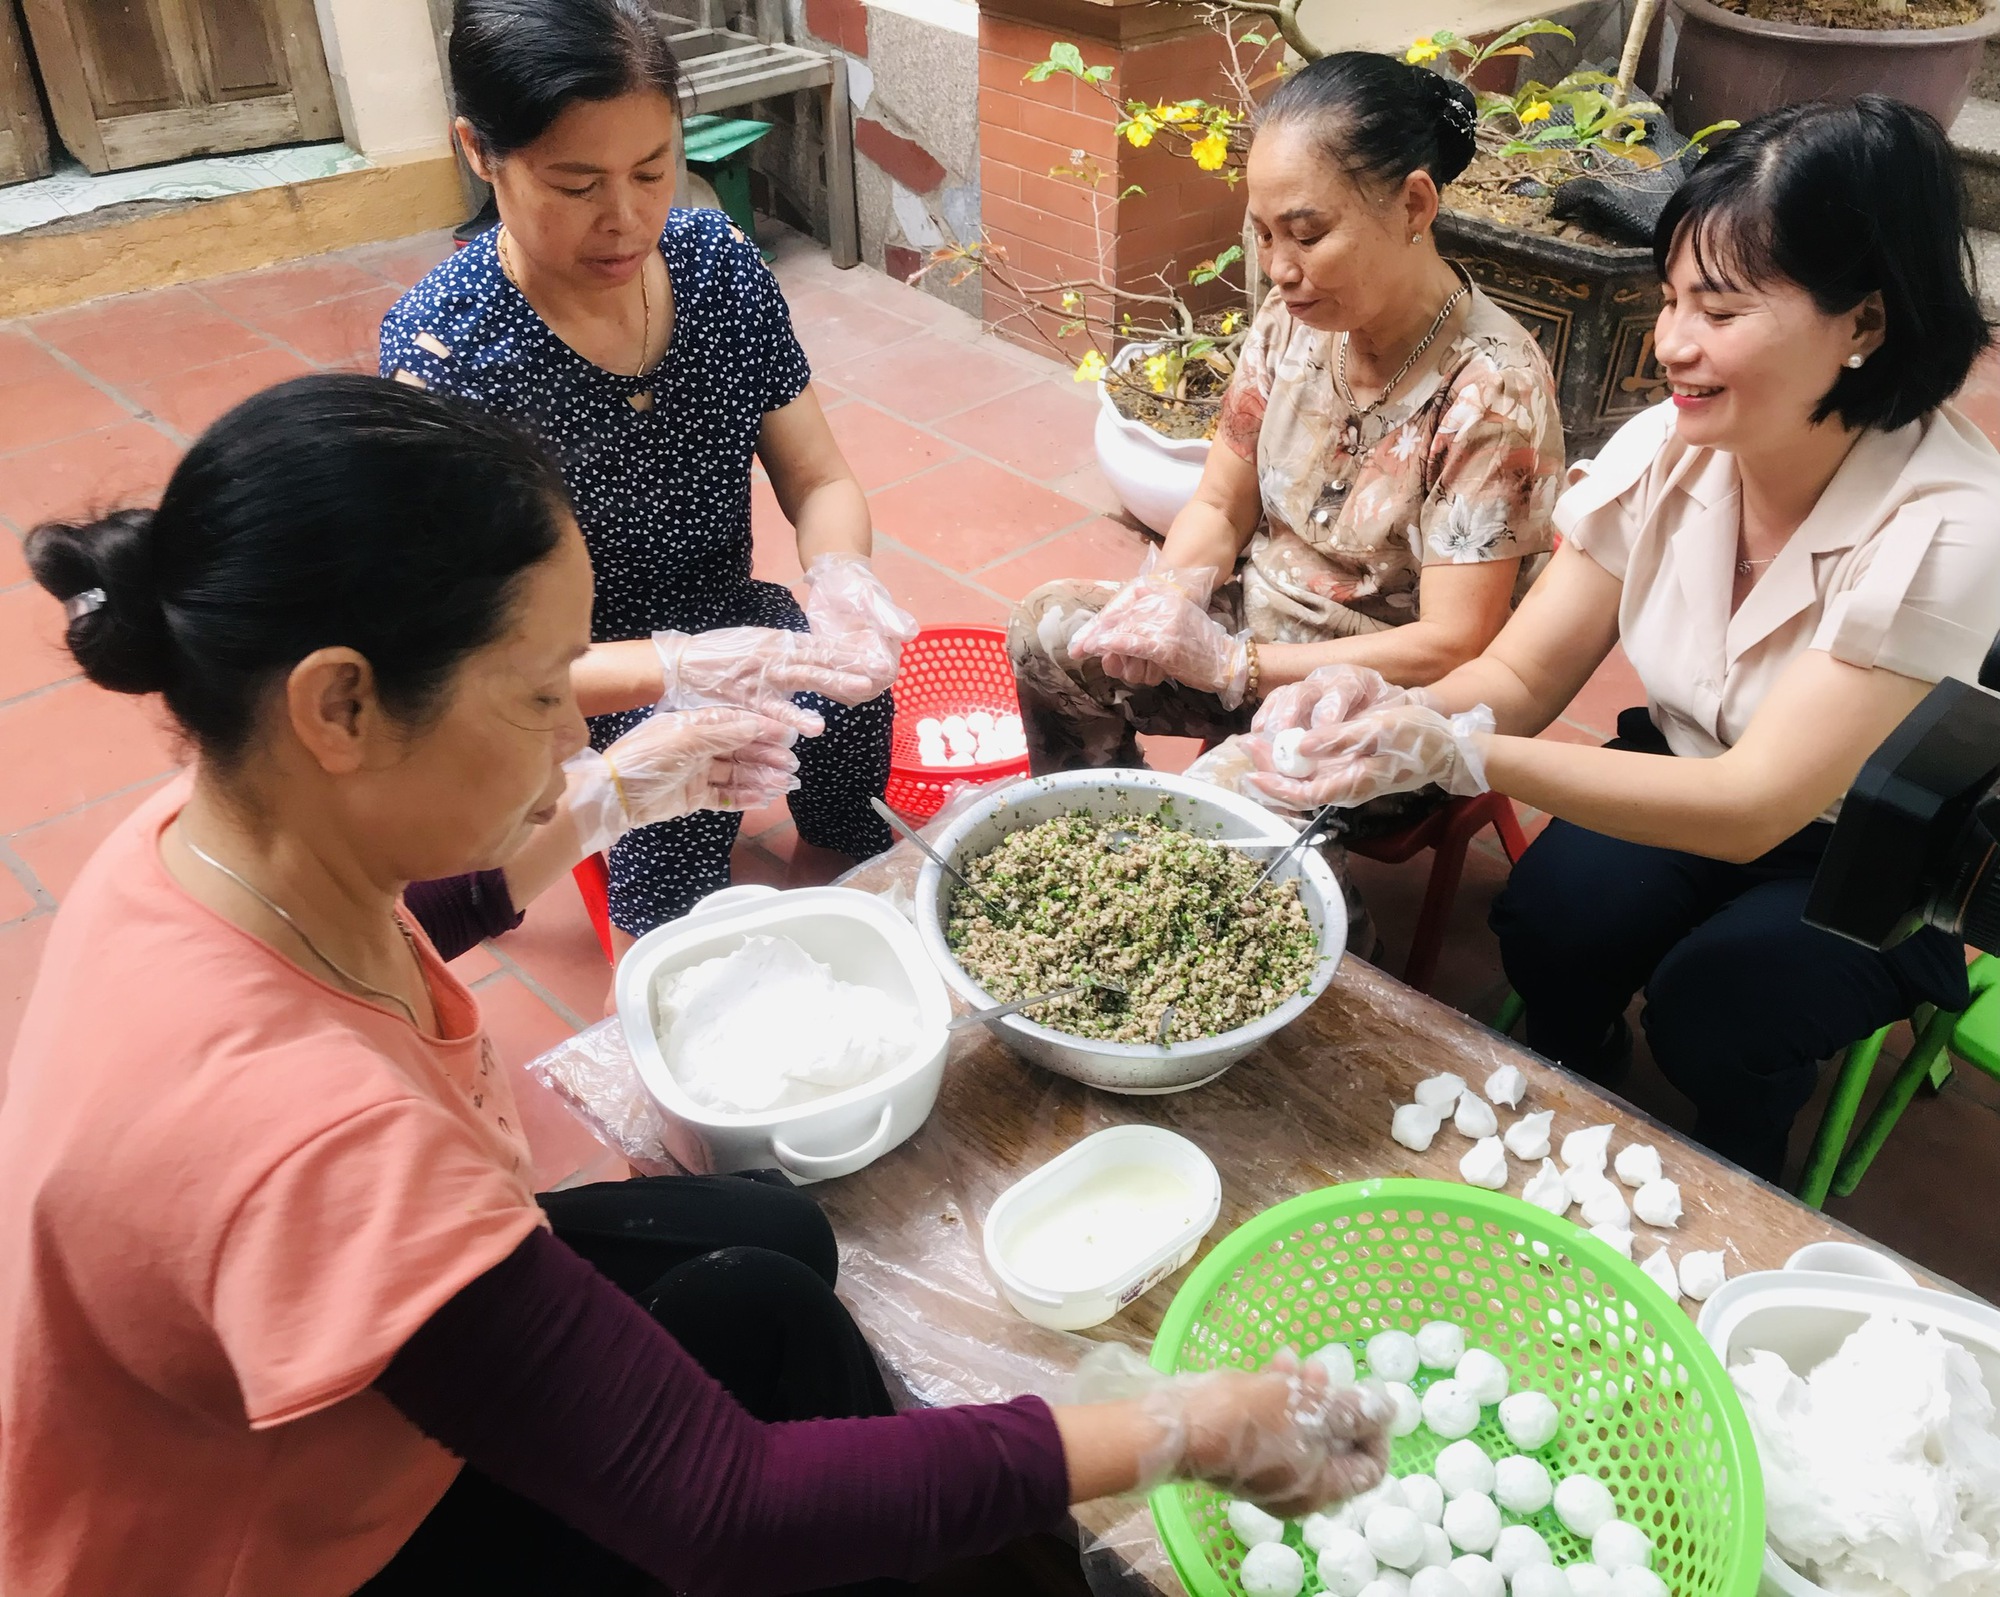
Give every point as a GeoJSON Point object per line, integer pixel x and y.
{"type": "Point", "coordinates": [1592, 310]}
{"type": "Point", "coordinates": [1153, 475]}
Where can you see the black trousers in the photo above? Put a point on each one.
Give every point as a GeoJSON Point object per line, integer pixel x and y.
{"type": "Point", "coordinates": [1743, 998]}
{"type": "Point", "coordinates": [741, 1271]}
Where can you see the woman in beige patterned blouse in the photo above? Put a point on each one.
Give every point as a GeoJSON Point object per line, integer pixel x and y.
{"type": "Point", "coordinates": [1389, 450]}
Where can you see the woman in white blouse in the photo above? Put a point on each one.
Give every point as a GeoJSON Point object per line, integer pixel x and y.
{"type": "Point", "coordinates": [1791, 550]}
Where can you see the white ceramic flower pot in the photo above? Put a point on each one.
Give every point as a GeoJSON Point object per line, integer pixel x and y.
{"type": "Point", "coordinates": [1152, 476]}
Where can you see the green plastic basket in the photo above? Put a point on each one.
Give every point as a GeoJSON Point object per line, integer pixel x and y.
{"type": "Point", "coordinates": [1646, 1405]}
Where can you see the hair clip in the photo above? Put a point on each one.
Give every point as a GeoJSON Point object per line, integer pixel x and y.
{"type": "Point", "coordinates": [81, 604]}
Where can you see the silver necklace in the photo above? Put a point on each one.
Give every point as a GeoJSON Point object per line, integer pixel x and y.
{"type": "Point", "coordinates": [1360, 413]}
{"type": "Point", "coordinates": [642, 400]}
{"type": "Point", "coordinates": [317, 952]}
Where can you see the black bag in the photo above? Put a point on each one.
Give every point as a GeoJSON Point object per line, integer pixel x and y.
{"type": "Point", "coordinates": [1620, 198]}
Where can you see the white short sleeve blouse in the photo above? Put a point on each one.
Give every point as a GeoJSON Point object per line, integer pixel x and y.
{"type": "Point", "coordinates": [1897, 567]}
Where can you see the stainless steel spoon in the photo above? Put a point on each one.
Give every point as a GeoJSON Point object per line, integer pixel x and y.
{"type": "Point", "coordinates": [981, 1016]}
{"type": "Point", "coordinates": [987, 907]}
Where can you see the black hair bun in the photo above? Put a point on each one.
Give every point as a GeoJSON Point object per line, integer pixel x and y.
{"type": "Point", "coordinates": [121, 642]}
{"type": "Point", "coordinates": [1457, 113]}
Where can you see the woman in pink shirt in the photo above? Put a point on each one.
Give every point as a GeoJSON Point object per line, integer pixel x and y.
{"type": "Point", "coordinates": [280, 1312]}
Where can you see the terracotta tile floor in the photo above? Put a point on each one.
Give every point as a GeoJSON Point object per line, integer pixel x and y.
{"type": "Point", "coordinates": [978, 460]}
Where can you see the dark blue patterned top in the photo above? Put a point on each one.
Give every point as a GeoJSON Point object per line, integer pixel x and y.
{"type": "Point", "coordinates": [662, 494]}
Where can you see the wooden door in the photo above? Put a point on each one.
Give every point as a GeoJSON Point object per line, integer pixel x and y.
{"type": "Point", "coordinates": [24, 136]}
{"type": "Point", "coordinates": [134, 82]}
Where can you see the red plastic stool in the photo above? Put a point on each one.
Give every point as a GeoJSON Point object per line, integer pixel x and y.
{"type": "Point", "coordinates": [1448, 831]}
{"type": "Point", "coordinates": [593, 881]}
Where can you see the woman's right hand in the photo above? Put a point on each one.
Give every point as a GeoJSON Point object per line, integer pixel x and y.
{"type": "Point", "coordinates": [674, 763]}
{"type": "Point", "coordinates": [759, 668]}
{"type": "Point", "coordinates": [1327, 697]}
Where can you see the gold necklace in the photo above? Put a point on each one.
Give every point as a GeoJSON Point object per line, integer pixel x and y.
{"type": "Point", "coordinates": [1351, 433]}
{"type": "Point", "coordinates": [643, 400]}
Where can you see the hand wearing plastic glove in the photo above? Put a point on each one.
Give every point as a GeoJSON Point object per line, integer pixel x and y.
{"type": "Point", "coordinates": [758, 668]}
{"type": "Point", "coordinates": [675, 763]}
{"type": "Point", "coordinates": [1329, 696]}
{"type": "Point", "coordinates": [1396, 748]}
{"type": "Point", "coordinates": [1283, 1438]}
{"type": "Point", "coordinates": [1158, 626]}
{"type": "Point", "coordinates": [846, 600]}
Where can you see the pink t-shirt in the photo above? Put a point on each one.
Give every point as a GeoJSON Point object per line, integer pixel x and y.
{"type": "Point", "coordinates": [229, 1192]}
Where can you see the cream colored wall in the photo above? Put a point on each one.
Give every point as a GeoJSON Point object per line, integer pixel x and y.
{"type": "Point", "coordinates": [384, 61]}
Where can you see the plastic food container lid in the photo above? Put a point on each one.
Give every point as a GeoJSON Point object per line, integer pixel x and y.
{"type": "Point", "coordinates": [1101, 1224]}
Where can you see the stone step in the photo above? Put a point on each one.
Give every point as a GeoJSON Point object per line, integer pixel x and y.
{"type": "Point", "coordinates": [1976, 137]}
{"type": "Point", "coordinates": [1986, 258]}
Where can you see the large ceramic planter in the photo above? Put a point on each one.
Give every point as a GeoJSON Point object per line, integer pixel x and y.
{"type": "Point", "coordinates": [1153, 476]}
{"type": "Point", "coordinates": [1731, 66]}
{"type": "Point", "coordinates": [1592, 311]}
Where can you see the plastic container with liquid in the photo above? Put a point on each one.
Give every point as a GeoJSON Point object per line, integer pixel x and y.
{"type": "Point", "coordinates": [1101, 1224]}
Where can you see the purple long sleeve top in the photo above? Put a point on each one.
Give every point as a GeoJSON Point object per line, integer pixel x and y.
{"type": "Point", "coordinates": [458, 911]}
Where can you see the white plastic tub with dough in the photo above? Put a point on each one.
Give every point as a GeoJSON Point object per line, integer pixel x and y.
{"type": "Point", "coordinates": [862, 940]}
{"type": "Point", "coordinates": [1102, 1223]}
{"type": "Point", "coordinates": [1804, 1316]}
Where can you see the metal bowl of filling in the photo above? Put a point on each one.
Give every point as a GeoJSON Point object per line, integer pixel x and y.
{"type": "Point", "coordinates": [1194, 1053]}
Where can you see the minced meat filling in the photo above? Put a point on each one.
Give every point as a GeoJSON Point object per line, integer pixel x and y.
{"type": "Point", "coordinates": [1143, 916]}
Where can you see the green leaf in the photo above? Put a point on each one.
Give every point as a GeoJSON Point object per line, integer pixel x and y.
{"type": "Point", "coordinates": [1134, 189]}
{"type": "Point", "coordinates": [1713, 127]}
{"type": "Point", "coordinates": [1257, 39]}
{"type": "Point", "coordinates": [1197, 347]}
{"type": "Point", "coordinates": [1063, 57]}
{"type": "Point", "coordinates": [1070, 329]}
{"type": "Point", "coordinates": [1229, 257]}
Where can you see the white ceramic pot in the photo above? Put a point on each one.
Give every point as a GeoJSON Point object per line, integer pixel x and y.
{"type": "Point", "coordinates": [862, 940]}
{"type": "Point", "coordinates": [1153, 476]}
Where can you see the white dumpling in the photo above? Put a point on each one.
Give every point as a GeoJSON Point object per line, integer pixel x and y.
{"type": "Point", "coordinates": [1463, 1469]}
{"type": "Point", "coordinates": [1345, 1563]}
{"type": "Point", "coordinates": [1254, 1527]}
{"type": "Point", "coordinates": [1702, 1275]}
{"type": "Point", "coordinates": [1637, 1164]}
{"type": "Point", "coordinates": [1450, 1409]}
{"type": "Point", "coordinates": [1546, 1189]}
{"type": "Point", "coordinates": [1484, 1375]}
{"type": "Point", "coordinates": [1587, 1580]}
{"type": "Point", "coordinates": [930, 727]}
{"type": "Point", "coordinates": [1585, 1183]}
{"type": "Point", "coordinates": [1440, 1092]}
{"type": "Point", "coordinates": [1658, 1203]}
{"type": "Point", "coordinates": [1584, 1505]}
{"type": "Point", "coordinates": [1389, 1583]}
{"type": "Point", "coordinates": [1316, 1530]}
{"type": "Point", "coordinates": [1530, 1420]}
{"type": "Point", "coordinates": [1437, 1550]}
{"type": "Point", "coordinates": [1660, 1268]}
{"type": "Point", "coordinates": [1395, 1537]}
{"type": "Point", "coordinates": [1415, 1126]}
{"type": "Point", "coordinates": [1507, 1087]}
{"type": "Point", "coordinates": [1272, 1569]}
{"type": "Point", "coordinates": [1285, 753]}
{"type": "Point", "coordinates": [1388, 1492]}
{"type": "Point", "coordinates": [1478, 1576]}
{"type": "Point", "coordinates": [1632, 1581]}
{"type": "Point", "coordinates": [1606, 1206]}
{"type": "Point", "coordinates": [1337, 1359]}
{"type": "Point", "coordinates": [1528, 1137]}
{"type": "Point", "coordinates": [1522, 1485]}
{"type": "Point", "coordinates": [1475, 1118]}
{"type": "Point", "coordinates": [1485, 1165]}
{"type": "Point", "coordinates": [1472, 1522]}
{"type": "Point", "coordinates": [1541, 1580]}
{"type": "Point", "coordinates": [1614, 1236]}
{"type": "Point", "coordinates": [1619, 1544]}
{"type": "Point", "coordinates": [1408, 1411]}
{"type": "Point", "coordinates": [1424, 1497]}
{"type": "Point", "coordinates": [1436, 1582]}
{"type": "Point", "coordinates": [1590, 1146]}
{"type": "Point", "coordinates": [1517, 1548]}
{"type": "Point", "coordinates": [1392, 1356]}
{"type": "Point", "coordinates": [1440, 1345]}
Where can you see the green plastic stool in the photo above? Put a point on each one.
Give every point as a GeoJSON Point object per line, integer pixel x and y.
{"type": "Point", "coordinates": [1973, 1036]}
{"type": "Point", "coordinates": [718, 147]}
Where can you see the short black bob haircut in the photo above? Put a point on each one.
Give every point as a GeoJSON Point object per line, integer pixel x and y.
{"type": "Point", "coordinates": [1845, 200]}
{"type": "Point", "coordinates": [517, 65]}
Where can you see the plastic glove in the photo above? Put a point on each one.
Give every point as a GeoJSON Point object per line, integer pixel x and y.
{"type": "Point", "coordinates": [758, 668]}
{"type": "Point", "coordinates": [1282, 1438]}
{"type": "Point", "coordinates": [1329, 696]}
{"type": "Point", "coordinates": [846, 600]}
{"type": "Point", "coordinates": [675, 763]}
{"type": "Point", "coordinates": [1158, 626]}
{"type": "Point", "coordinates": [1396, 748]}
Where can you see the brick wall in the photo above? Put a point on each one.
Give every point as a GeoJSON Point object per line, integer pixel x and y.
{"type": "Point", "coordinates": [1045, 223]}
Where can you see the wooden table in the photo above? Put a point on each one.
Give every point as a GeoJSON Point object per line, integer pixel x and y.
{"type": "Point", "coordinates": [1309, 1110]}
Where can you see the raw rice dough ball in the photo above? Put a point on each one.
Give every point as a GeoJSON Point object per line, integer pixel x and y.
{"type": "Point", "coordinates": [1429, 1582]}
{"type": "Point", "coordinates": [1285, 753]}
{"type": "Point", "coordinates": [1390, 1583]}
{"type": "Point", "coordinates": [930, 727]}
{"type": "Point", "coordinates": [1518, 1547]}
{"type": "Point", "coordinates": [1395, 1537]}
{"type": "Point", "coordinates": [1584, 1505]}
{"type": "Point", "coordinates": [1618, 1545]}
{"type": "Point", "coordinates": [1346, 1565]}
{"type": "Point", "coordinates": [1424, 1497]}
{"type": "Point", "coordinates": [1478, 1576]}
{"type": "Point", "coordinates": [1271, 1569]}
{"type": "Point", "coordinates": [1414, 1126]}
{"type": "Point", "coordinates": [1587, 1580]}
{"type": "Point", "coordinates": [1463, 1469]}
{"type": "Point", "coordinates": [1388, 1493]}
{"type": "Point", "coordinates": [1392, 1356]}
{"type": "Point", "coordinates": [1337, 1359]}
{"type": "Point", "coordinates": [1437, 1549]}
{"type": "Point", "coordinates": [1439, 1093]}
{"type": "Point", "coordinates": [1440, 1345]}
{"type": "Point", "coordinates": [1472, 1522]}
{"type": "Point", "coordinates": [1450, 1409]}
{"type": "Point", "coordinates": [1475, 1118]}
{"type": "Point", "coordinates": [1483, 1375]}
{"type": "Point", "coordinates": [1254, 1527]}
{"type": "Point", "coordinates": [1530, 1420]}
{"type": "Point", "coordinates": [979, 721]}
{"type": "Point", "coordinates": [1541, 1580]}
{"type": "Point", "coordinates": [1521, 1485]}
{"type": "Point", "coordinates": [1409, 1410]}
{"type": "Point", "coordinates": [1632, 1581]}
{"type": "Point", "coordinates": [1638, 1164]}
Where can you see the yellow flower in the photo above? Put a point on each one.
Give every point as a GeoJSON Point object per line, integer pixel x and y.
{"type": "Point", "coordinates": [1159, 372]}
{"type": "Point", "coordinates": [1175, 113]}
{"type": "Point", "coordinates": [1421, 51]}
{"type": "Point", "coordinates": [1139, 132]}
{"type": "Point", "coordinates": [1072, 300]}
{"type": "Point", "coordinates": [1230, 322]}
{"type": "Point", "coordinates": [1210, 152]}
{"type": "Point", "coordinates": [1090, 368]}
{"type": "Point", "coordinates": [1538, 112]}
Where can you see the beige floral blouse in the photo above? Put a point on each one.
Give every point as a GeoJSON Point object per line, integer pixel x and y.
{"type": "Point", "coordinates": [1463, 466]}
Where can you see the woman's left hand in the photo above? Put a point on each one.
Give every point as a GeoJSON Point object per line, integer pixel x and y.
{"type": "Point", "coordinates": [1158, 627]}
{"type": "Point", "coordinates": [676, 762]}
{"type": "Point", "coordinates": [846, 603]}
{"type": "Point", "coordinates": [1393, 748]}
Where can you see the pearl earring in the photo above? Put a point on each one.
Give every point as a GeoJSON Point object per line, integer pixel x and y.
{"type": "Point", "coordinates": [1855, 362]}
{"type": "Point", "coordinates": [1416, 238]}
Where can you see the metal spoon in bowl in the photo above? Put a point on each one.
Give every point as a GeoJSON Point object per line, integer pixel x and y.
{"type": "Point", "coordinates": [986, 906]}
{"type": "Point", "coordinates": [1309, 833]}
{"type": "Point", "coordinates": [980, 1016]}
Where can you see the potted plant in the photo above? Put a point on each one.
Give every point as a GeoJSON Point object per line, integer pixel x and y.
{"type": "Point", "coordinates": [1752, 56]}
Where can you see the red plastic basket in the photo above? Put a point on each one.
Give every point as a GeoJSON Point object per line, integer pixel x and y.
{"type": "Point", "coordinates": [947, 671]}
